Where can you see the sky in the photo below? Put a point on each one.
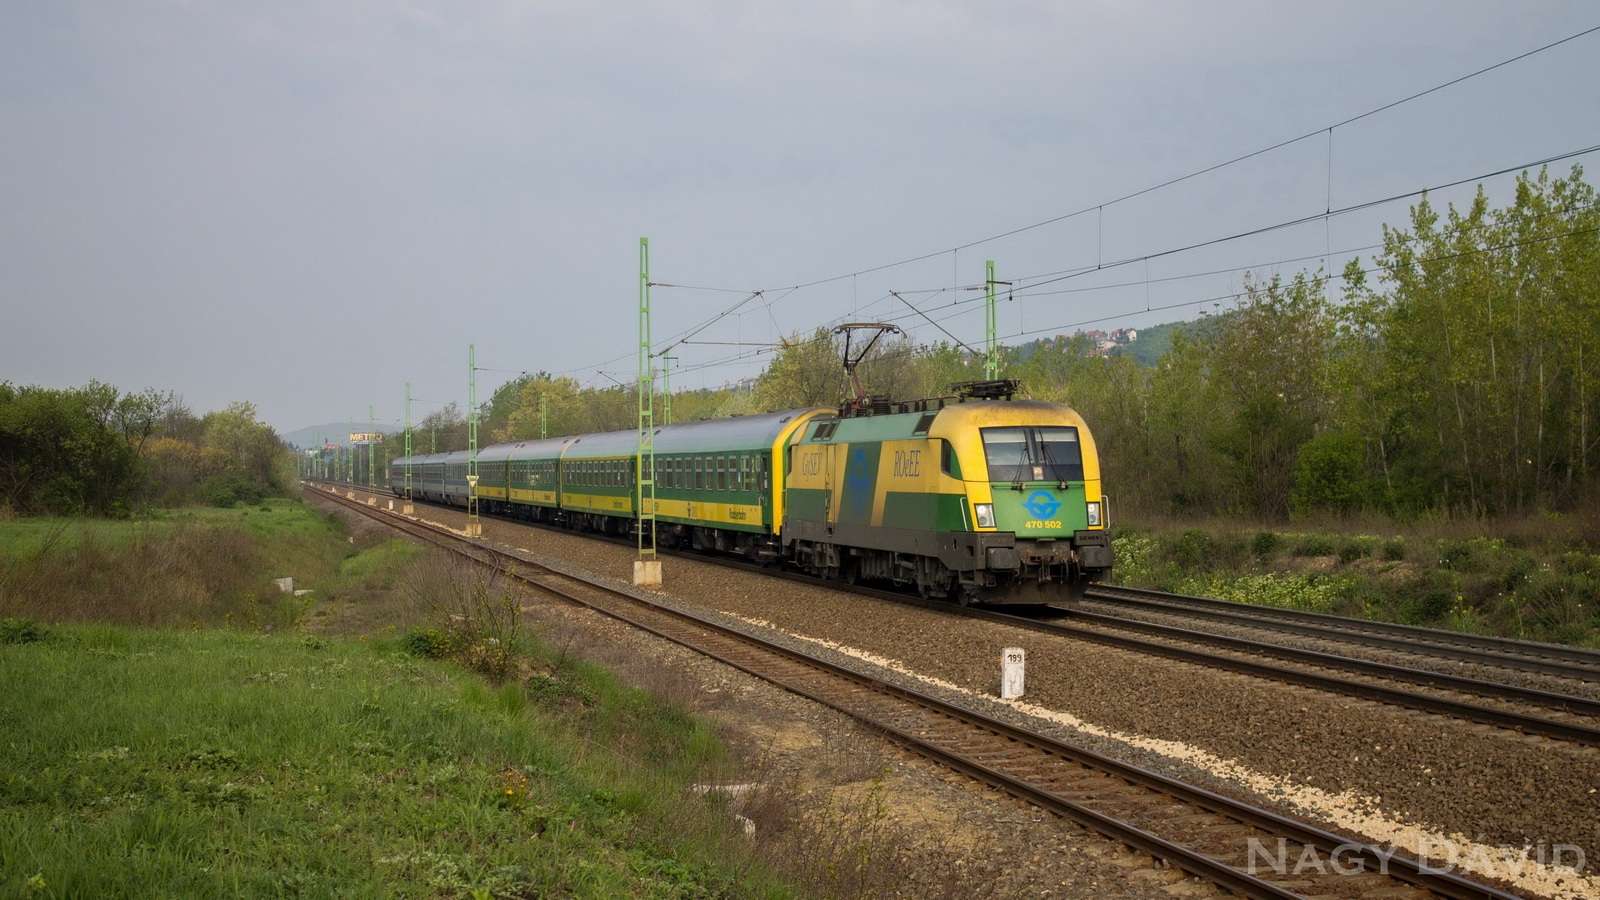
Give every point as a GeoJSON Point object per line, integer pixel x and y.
{"type": "Point", "coordinates": [308, 204]}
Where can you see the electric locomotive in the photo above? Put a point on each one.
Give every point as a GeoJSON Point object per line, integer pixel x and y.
{"type": "Point", "coordinates": [985, 500]}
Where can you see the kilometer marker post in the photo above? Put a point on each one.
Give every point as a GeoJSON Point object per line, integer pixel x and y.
{"type": "Point", "coordinates": [1012, 662]}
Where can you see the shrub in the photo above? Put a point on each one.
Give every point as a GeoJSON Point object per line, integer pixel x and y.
{"type": "Point", "coordinates": [1265, 544]}
{"type": "Point", "coordinates": [429, 643]}
{"type": "Point", "coordinates": [1394, 549]}
{"type": "Point", "coordinates": [229, 490]}
{"type": "Point", "coordinates": [1329, 475]}
{"type": "Point", "coordinates": [1314, 545]}
{"type": "Point", "coordinates": [21, 631]}
{"type": "Point", "coordinates": [1353, 549]}
{"type": "Point", "coordinates": [1194, 548]}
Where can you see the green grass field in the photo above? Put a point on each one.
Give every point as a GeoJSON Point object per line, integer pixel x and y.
{"type": "Point", "coordinates": [161, 763]}
{"type": "Point", "coordinates": [175, 727]}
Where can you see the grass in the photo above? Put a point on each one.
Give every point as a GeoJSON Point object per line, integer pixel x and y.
{"type": "Point", "coordinates": [165, 763]}
{"type": "Point", "coordinates": [177, 727]}
{"type": "Point", "coordinates": [1533, 580]}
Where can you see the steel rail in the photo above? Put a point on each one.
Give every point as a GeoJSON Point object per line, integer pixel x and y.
{"type": "Point", "coordinates": [1549, 659]}
{"type": "Point", "coordinates": [1583, 706]}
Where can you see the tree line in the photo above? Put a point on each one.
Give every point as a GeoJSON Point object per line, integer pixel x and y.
{"type": "Point", "coordinates": [1456, 372]}
{"type": "Point", "coordinates": [94, 450]}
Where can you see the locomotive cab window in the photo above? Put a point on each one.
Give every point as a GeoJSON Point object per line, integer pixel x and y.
{"type": "Point", "coordinates": [948, 463]}
{"type": "Point", "coordinates": [1033, 453]}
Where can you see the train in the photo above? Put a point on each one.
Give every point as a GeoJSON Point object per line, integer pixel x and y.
{"type": "Point", "coordinates": [974, 498]}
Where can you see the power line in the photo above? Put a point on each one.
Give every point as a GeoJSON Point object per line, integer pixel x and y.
{"type": "Point", "coordinates": [1100, 207]}
{"type": "Point", "coordinates": [1209, 169]}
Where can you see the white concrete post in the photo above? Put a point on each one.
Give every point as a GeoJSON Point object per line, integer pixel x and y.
{"type": "Point", "coordinates": [1012, 660]}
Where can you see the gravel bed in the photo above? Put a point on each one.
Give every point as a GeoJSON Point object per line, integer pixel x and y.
{"type": "Point", "coordinates": [1356, 767]}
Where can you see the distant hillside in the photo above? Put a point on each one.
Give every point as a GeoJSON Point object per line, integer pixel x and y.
{"type": "Point", "coordinates": [1144, 345]}
{"type": "Point", "coordinates": [1152, 342]}
{"type": "Point", "coordinates": [331, 433]}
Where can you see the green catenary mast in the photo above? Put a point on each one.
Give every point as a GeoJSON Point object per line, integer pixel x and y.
{"type": "Point", "coordinates": [474, 526]}
{"type": "Point", "coordinates": [647, 569]}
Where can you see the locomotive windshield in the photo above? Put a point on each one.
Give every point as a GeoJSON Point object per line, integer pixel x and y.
{"type": "Point", "coordinates": [1033, 453]}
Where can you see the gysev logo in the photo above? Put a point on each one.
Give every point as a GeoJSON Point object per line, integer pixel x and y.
{"type": "Point", "coordinates": [859, 479]}
{"type": "Point", "coordinates": [1041, 504]}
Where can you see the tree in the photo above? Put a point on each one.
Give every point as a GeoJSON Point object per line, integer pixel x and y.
{"type": "Point", "coordinates": [60, 451]}
{"type": "Point", "coordinates": [540, 398]}
{"type": "Point", "coordinates": [441, 430]}
{"type": "Point", "coordinates": [805, 372]}
{"type": "Point", "coordinates": [1490, 331]}
{"type": "Point", "coordinates": [258, 461]}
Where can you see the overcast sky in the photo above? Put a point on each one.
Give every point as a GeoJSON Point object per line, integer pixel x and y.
{"type": "Point", "coordinates": [306, 204]}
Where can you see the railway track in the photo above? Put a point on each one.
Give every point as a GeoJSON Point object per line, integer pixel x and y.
{"type": "Point", "coordinates": [1206, 834]}
{"type": "Point", "coordinates": [1524, 710]}
{"type": "Point", "coordinates": [1516, 708]}
{"type": "Point", "coordinates": [1522, 656]}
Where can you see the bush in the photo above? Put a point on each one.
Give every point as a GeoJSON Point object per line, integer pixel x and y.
{"type": "Point", "coordinates": [1353, 549]}
{"type": "Point", "coordinates": [228, 491]}
{"type": "Point", "coordinates": [1314, 545]}
{"type": "Point", "coordinates": [1329, 474]}
{"type": "Point", "coordinates": [21, 631]}
{"type": "Point", "coordinates": [1265, 544]}
{"type": "Point", "coordinates": [1394, 549]}
{"type": "Point", "coordinates": [429, 643]}
{"type": "Point", "coordinates": [1194, 549]}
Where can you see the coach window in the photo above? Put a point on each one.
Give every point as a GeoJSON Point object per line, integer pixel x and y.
{"type": "Point", "coordinates": [761, 469]}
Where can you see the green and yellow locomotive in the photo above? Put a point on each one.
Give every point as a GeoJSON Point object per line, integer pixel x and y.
{"type": "Point", "coordinates": [974, 498]}
{"type": "Point", "coordinates": [994, 501]}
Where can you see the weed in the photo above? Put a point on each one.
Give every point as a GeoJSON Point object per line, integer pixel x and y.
{"type": "Point", "coordinates": [479, 617]}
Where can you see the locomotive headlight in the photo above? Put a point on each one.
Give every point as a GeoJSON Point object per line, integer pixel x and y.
{"type": "Point", "coordinates": [1094, 513]}
{"type": "Point", "coordinates": [985, 514]}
